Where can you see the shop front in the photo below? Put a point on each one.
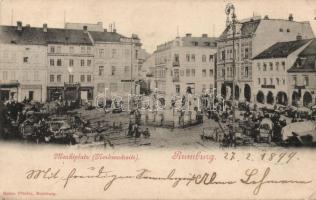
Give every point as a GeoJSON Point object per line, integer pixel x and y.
{"type": "Point", "coordinates": [86, 94]}
{"type": "Point", "coordinates": [32, 92]}
{"type": "Point", "coordinates": [55, 93]}
{"type": "Point", "coordinates": [9, 91]}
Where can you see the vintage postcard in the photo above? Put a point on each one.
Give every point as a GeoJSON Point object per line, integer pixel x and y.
{"type": "Point", "coordinates": [157, 99]}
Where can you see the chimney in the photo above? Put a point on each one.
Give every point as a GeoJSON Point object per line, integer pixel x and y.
{"type": "Point", "coordinates": [299, 37]}
{"type": "Point", "coordinates": [291, 17]}
{"type": "Point", "coordinates": [85, 29]}
{"type": "Point", "coordinates": [266, 17]}
{"type": "Point", "coordinates": [204, 35]}
{"type": "Point", "coordinates": [188, 35]}
{"type": "Point", "coordinates": [19, 25]}
{"type": "Point", "coordinates": [45, 28]}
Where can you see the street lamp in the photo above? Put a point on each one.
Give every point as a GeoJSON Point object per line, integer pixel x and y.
{"type": "Point", "coordinates": [231, 22]}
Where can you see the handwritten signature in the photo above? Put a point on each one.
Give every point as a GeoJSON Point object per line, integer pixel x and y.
{"type": "Point", "coordinates": [251, 177]}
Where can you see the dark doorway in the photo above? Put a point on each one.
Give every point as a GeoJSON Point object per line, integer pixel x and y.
{"type": "Point", "coordinates": [31, 95]}
{"type": "Point", "coordinates": [295, 98]}
{"type": "Point", "coordinates": [282, 98]}
{"type": "Point", "coordinates": [270, 98]}
{"type": "Point", "coordinates": [189, 90]}
{"type": "Point", "coordinates": [247, 92]}
{"type": "Point", "coordinates": [260, 97]}
{"type": "Point", "coordinates": [223, 90]}
{"type": "Point", "coordinates": [307, 99]}
{"type": "Point", "coordinates": [236, 92]}
{"type": "Point", "coordinates": [4, 95]}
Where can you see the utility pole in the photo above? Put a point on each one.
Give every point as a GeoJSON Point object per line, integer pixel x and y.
{"type": "Point", "coordinates": [131, 65]}
{"type": "Point", "coordinates": [230, 11]}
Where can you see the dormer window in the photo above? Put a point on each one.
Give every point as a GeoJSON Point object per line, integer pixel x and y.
{"type": "Point", "coordinates": [288, 30]}
{"type": "Point", "coordinates": [300, 62]}
{"type": "Point", "coordinates": [281, 29]}
{"type": "Point", "coordinates": [195, 43]}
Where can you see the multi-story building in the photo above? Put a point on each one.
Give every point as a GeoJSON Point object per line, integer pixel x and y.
{"type": "Point", "coordinates": [23, 62]}
{"type": "Point", "coordinates": [116, 59]}
{"type": "Point", "coordinates": [252, 36]}
{"type": "Point", "coordinates": [74, 63]}
{"type": "Point", "coordinates": [302, 77]}
{"type": "Point", "coordinates": [270, 71]}
{"type": "Point", "coordinates": [184, 65]}
{"type": "Point", "coordinates": [70, 69]}
{"type": "Point", "coordinates": [116, 63]}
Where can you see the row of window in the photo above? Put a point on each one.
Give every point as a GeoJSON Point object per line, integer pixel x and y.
{"type": "Point", "coordinates": [244, 72]}
{"type": "Point", "coordinates": [71, 62]}
{"type": "Point", "coordinates": [115, 53]}
{"type": "Point", "coordinates": [191, 58]}
{"type": "Point", "coordinates": [57, 49]}
{"type": "Point", "coordinates": [265, 81]}
{"type": "Point", "coordinates": [272, 66]}
{"type": "Point", "coordinates": [191, 72]}
{"type": "Point", "coordinates": [305, 79]}
{"type": "Point", "coordinates": [161, 59]}
{"type": "Point", "coordinates": [58, 78]}
{"type": "Point", "coordinates": [228, 54]}
{"type": "Point", "coordinates": [127, 70]}
{"type": "Point", "coordinates": [26, 76]}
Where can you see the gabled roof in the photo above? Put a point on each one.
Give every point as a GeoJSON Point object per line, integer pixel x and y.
{"type": "Point", "coordinates": [106, 36]}
{"type": "Point", "coordinates": [310, 49]}
{"type": "Point", "coordinates": [306, 61]}
{"type": "Point", "coordinates": [281, 49]}
{"type": "Point", "coordinates": [31, 36]}
{"type": "Point", "coordinates": [247, 28]}
{"type": "Point", "coordinates": [67, 36]}
{"type": "Point", "coordinates": [304, 64]}
{"type": "Point", "coordinates": [36, 36]}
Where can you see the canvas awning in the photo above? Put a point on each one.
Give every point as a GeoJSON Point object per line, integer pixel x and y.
{"type": "Point", "coordinates": [9, 85]}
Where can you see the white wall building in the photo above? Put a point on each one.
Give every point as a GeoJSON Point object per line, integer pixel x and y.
{"type": "Point", "coordinates": [70, 57]}
{"type": "Point", "coordinates": [252, 37]}
{"type": "Point", "coordinates": [270, 71]}
{"type": "Point", "coordinates": [185, 64]}
{"type": "Point", "coordinates": [23, 62]}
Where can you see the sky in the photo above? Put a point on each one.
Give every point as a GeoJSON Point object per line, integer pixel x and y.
{"type": "Point", "coordinates": [155, 21]}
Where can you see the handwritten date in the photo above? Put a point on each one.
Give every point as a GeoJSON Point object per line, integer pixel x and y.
{"type": "Point", "coordinates": [276, 158]}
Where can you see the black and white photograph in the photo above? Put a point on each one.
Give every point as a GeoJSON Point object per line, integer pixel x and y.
{"type": "Point", "coordinates": [188, 77]}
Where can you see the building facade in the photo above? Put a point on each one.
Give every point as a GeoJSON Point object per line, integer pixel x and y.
{"type": "Point", "coordinates": [183, 65]}
{"type": "Point", "coordinates": [74, 63]}
{"type": "Point", "coordinates": [302, 77]}
{"type": "Point", "coordinates": [116, 63]}
{"type": "Point", "coordinates": [270, 71]}
{"type": "Point", "coordinates": [70, 65]}
{"type": "Point", "coordinates": [252, 36]}
{"type": "Point", "coordinates": [23, 62]}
